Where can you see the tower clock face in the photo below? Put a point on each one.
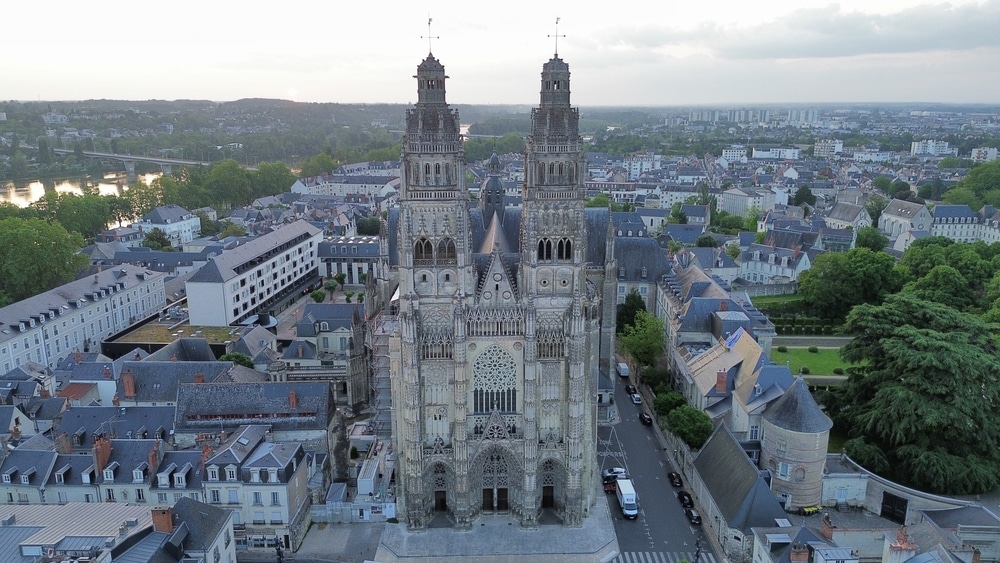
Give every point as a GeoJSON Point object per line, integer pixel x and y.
{"type": "Point", "coordinates": [497, 277]}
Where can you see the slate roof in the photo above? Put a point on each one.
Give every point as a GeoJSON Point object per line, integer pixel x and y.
{"type": "Point", "coordinates": [635, 254]}
{"type": "Point", "coordinates": [201, 406]}
{"type": "Point", "coordinates": [179, 460]}
{"type": "Point", "coordinates": [166, 214]}
{"type": "Point", "coordinates": [184, 350]}
{"type": "Point", "coordinates": [904, 209]}
{"type": "Point", "coordinates": [72, 467]}
{"type": "Point", "coordinates": [115, 422]}
{"type": "Point", "coordinates": [157, 381]}
{"type": "Point", "coordinates": [204, 522]}
{"type": "Point", "coordinates": [239, 446]}
{"type": "Point", "coordinates": [734, 482]}
{"type": "Point", "coordinates": [950, 211]}
{"type": "Point", "coordinates": [272, 455]}
{"type": "Point", "coordinates": [336, 315]}
{"type": "Point", "coordinates": [38, 408]}
{"type": "Point", "coordinates": [845, 212]}
{"type": "Point", "coordinates": [797, 411]}
{"type": "Point", "coordinates": [35, 463]}
{"type": "Point", "coordinates": [128, 455]}
{"type": "Point", "coordinates": [684, 234]}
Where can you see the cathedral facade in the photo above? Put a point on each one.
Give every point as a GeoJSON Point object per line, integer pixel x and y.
{"type": "Point", "coordinates": [502, 321]}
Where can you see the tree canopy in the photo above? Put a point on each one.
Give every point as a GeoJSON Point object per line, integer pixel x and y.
{"type": "Point", "coordinates": [628, 310]}
{"type": "Point", "coordinates": [837, 281]}
{"type": "Point", "coordinates": [643, 339]}
{"type": "Point", "coordinates": [690, 424]}
{"type": "Point", "coordinates": [36, 256]}
{"type": "Point", "coordinates": [871, 238]}
{"type": "Point", "coordinates": [921, 404]}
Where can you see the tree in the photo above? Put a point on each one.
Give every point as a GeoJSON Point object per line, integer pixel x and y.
{"type": "Point", "coordinates": [870, 238]}
{"type": "Point", "coordinates": [599, 200]}
{"type": "Point", "coordinates": [733, 250]}
{"type": "Point", "coordinates": [36, 256]}
{"type": "Point", "coordinates": [874, 207]}
{"type": "Point", "coordinates": [665, 403]}
{"type": "Point", "coordinates": [678, 216]}
{"type": "Point", "coordinates": [706, 241]}
{"type": "Point", "coordinates": [804, 196]}
{"type": "Point", "coordinates": [208, 226]}
{"type": "Point", "coordinates": [238, 358]}
{"type": "Point", "coordinates": [921, 399]}
{"type": "Point", "coordinates": [643, 339]}
{"type": "Point", "coordinates": [230, 229]}
{"type": "Point", "coordinates": [369, 226]}
{"type": "Point", "coordinates": [943, 284]}
{"type": "Point", "coordinates": [838, 281]}
{"type": "Point", "coordinates": [318, 296]}
{"type": "Point", "coordinates": [690, 424]}
{"type": "Point", "coordinates": [322, 163]}
{"type": "Point", "coordinates": [348, 296]}
{"type": "Point", "coordinates": [628, 310]}
{"type": "Point", "coordinates": [157, 240]}
{"type": "Point", "coordinates": [330, 286]}
{"type": "Point", "coordinates": [340, 278]}
{"type": "Point", "coordinates": [882, 184]}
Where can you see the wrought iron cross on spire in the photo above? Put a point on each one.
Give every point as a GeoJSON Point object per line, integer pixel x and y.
{"type": "Point", "coordinates": [557, 36]}
{"type": "Point", "coordinates": [429, 36]}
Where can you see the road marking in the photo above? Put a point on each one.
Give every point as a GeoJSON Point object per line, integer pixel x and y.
{"type": "Point", "coordinates": [662, 557]}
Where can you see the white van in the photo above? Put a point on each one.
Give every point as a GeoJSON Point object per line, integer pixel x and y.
{"type": "Point", "coordinates": [622, 369]}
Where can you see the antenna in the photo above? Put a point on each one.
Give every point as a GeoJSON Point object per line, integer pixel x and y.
{"type": "Point", "coordinates": [429, 36]}
{"type": "Point", "coordinates": [557, 36]}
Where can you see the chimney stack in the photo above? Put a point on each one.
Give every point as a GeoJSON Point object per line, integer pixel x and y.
{"type": "Point", "coordinates": [721, 381]}
{"type": "Point", "coordinates": [799, 553]}
{"type": "Point", "coordinates": [827, 530]}
{"type": "Point", "coordinates": [154, 458]}
{"type": "Point", "coordinates": [723, 305]}
{"type": "Point", "coordinates": [107, 371]}
{"type": "Point", "coordinates": [163, 520]}
{"type": "Point", "coordinates": [199, 378]}
{"type": "Point", "coordinates": [62, 444]}
{"type": "Point", "coordinates": [293, 400]}
{"type": "Point", "coordinates": [102, 453]}
{"type": "Point", "coordinates": [78, 357]}
{"type": "Point", "coordinates": [128, 383]}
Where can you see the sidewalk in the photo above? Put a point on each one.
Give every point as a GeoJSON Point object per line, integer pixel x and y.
{"type": "Point", "coordinates": [339, 543]}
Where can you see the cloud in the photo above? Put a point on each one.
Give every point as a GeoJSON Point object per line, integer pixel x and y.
{"type": "Point", "coordinates": [826, 32]}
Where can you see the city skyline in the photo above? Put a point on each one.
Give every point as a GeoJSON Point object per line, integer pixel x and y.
{"type": "Point", "coordinates": [641, 54]}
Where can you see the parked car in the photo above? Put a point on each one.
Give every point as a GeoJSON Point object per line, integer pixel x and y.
{"type": "Point", "coordinates": [675, 479]}
{"type": "Point", "coordinates": [693, 516]}
{"type": "Point", "coordinates": [685, 498]}
{"type": "Point", "coordinates": [615, 473]}
{"type": "Point", "coordinates": [630, 389]}
{"type": "Point", "coordinates": [636, 399]}
{"type": "Point", "coordinates": [645, 419]}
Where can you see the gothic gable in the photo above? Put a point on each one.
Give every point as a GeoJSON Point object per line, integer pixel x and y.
{"type": "Point", "coordinates": [495, 286]}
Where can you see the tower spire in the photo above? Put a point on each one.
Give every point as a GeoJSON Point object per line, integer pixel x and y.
{"type": "Point", "coordinates": [429, 36]}
{"type": "Point", "coordinates": [557, 36]}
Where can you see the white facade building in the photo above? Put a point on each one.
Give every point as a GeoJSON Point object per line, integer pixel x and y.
{"type": "Point", "coordinates": [248, 279]}
{"type": "Point", "coordinates": [933, 148]}
{"type": "Point", "coordinates": [50, 326]}
{"type": "Point", "coordinates": [179, 224]}
{"type": "Point", "coordinates": [984, 154]}
{"type": "Point", "coordinates": [781, 153]}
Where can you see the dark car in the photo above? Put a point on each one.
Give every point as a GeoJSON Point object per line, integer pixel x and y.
{"type": "Point", "coordinates": [675, 479]}
{"type": "Point", "coordinates": [693, 516]}
{"type": "Point", "coordinates": [630, 389]}
{"type": "Point", "coordinates": [685, 498]}
{"type": "Point", "coordinates": [645, 419]}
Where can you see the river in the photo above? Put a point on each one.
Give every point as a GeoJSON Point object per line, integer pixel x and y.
{"type": "Point", "coordinates": [23, 194]}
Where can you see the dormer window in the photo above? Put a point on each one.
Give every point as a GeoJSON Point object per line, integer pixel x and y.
{"type": "Point", "coordinates": [231, 473]}
{"type": "Point", "coordinates": [213, 473]}
{"type": "Point", "coordinates": [272, 476]}
{"type": "Point", "coordinates": [254, 476]}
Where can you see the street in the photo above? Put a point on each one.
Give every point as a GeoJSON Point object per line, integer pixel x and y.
{"type": "Point", "coordinates": [661, 533]}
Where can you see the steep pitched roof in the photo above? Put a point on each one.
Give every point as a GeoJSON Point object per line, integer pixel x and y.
{"type": "Point", "coordinates": [797, 411]}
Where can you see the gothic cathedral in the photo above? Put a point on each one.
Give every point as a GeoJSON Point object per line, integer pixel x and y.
{"type": "Point", "coordinates": [502, 321]}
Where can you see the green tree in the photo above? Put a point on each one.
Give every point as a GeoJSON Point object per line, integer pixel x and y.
{"type": "Point", "coordinates": [838, 281]}
{"type": "Point", "coordinates": [690, 424]}
{"type": "Point", "coordinates": [157, 240]}
{"type": "Point", "coordinates": [883, 184]}
{"type": "Point", "coordinates": [208, 226]}
{"type": "Point", "coordinates": [322, 163]}
{"type": "Point", "coordinates": [732, 251]}
{"type": "Point", "coordinates": [871, 238]}
{"type": "Point", "coordinates": [369, 226]}
{"type": "Point", "coordinates": [340, 277]}
{"type": "Point", "coordinates": [599, 200]}
{"type": "Point", "coordinates": [330, 286]}
{"type": "Point", "coordinates": [238, 358]}
{"type": "Point", "coordinates": [874, 207]}
{"type": "Point", "coordinates": [230, 229]}
{"type": "Point", "coordinates": [665, 403]}
{"type": "Point", "coordinates": [628, 310]}
{"type": "Point", "coordinates": [318, 296]}
{"type": "Point", "coordinates": [981, 179]}
{"type": "Point", "coordinates": [678, 216]}
{"type": "Point", "coordinates": [804, 196]}
{"type": "Point", "coordinates": [921, 399]}
{"type": "Point", "coordinates": [36, 256]}
{"type": "Point", "coordinates": [348, 296]}
{"type": "Point", "coordinates": [943, 284]}
{"type": "Point", "coordinates": [643, 339]}
{"type": "Point", "coordinates": [706, 241]}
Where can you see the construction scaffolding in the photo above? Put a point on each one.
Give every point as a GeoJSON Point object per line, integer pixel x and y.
{"type": "Point", "coordinates": [380, 332]}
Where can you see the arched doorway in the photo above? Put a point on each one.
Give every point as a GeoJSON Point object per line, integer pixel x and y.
{"type": "Point", "coordinates": [439, 482]}
{"type": "Point", "coordinates": [497, 475]}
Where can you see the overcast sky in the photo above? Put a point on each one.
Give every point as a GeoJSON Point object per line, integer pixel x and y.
{"type": "Point", "coordinates": [642, 52]}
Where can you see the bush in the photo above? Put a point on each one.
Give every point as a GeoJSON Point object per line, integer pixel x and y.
{"type": "Point", "coordinates": [838, 371]}
{"type": "Point", "coordinates": [813, 350]}
{"type": "Point", "coordinates": [782, 348]}
{"type": "Point", "coordinates": [804, 370]}
{"type": "Point", "coordinates": [392, 520]}
{"type": "Point", "coordinates": [354, 452]}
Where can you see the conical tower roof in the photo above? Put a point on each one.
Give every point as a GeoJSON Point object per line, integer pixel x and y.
{"type": "Point", "coordinates": [797, 411]}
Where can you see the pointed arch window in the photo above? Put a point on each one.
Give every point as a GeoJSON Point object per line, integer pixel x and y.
{"type": "Point", "coordinates": [423, 251]}
{"type": "Point", "coordinates": [545, 249]}
{"type": "Point", "coordinates": [446, 251]}
{"type": "Point", "coordinates": [564, 249]}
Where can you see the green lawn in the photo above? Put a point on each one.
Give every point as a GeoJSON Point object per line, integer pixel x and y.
{"type": "Point", "coordinates": [819, 363]}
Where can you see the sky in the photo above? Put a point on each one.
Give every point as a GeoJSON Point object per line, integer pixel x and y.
{"type": "Point", "coordinates": [638, 53]}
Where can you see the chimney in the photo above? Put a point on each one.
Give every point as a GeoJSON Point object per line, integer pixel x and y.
{"type": "Point", "coordinates": [128, 382]}
{"type": "Point", "coordinates": [795, 252]}
{"type": "Point", "coordinates": [723, 305]}
{"type": "Point", "coordinates": [116, 401]}
{"type": "Point", "coordinates": [721, 381]}
{"type": "Point", "coordinates": [102, 453]}
{"type": "Point", "coordinates": [107, 371]}
{"type": "Point", "coordinates": [199, 378]}
{"type": "Point", "coordinates": [15, 433]}
{"type": "Point", "coordinates": [800, 552]}
{"type": "Point", "coordinates": [173, 358]}
{"type": "Point", "coordinates": [300, 351]}
{"type": "Point", "coordinates": [293, 401]}
{"type": "Point", "coordinates": [163, 520]}
{"type": "Point", "coordinates": [62, 444]}
{"type": "Point", "coordinates": [78, 357]}
{"type": "Point", "coordinates": [206, 452]}
{"type": "Point", "coordinates": [136, 357]}
{"type": "Point", "coordinates": [154, 458]}
{"type": "Point", "coordinates": [827, 530]}
{"type": "Point", "coordinates": [43, 393]}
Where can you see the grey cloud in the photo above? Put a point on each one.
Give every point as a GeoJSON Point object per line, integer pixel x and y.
{"type": "Point", "coordinates": [830, 32]}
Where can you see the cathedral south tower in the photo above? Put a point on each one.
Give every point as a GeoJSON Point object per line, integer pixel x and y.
{"type": "Point", "coordinates": [498, 325]}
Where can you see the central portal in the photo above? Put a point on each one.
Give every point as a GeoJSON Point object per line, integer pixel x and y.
{"type": "Point", "coordinates": [495, 500]}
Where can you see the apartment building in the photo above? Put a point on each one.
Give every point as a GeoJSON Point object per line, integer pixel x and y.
{"type": "Point", "coordinates": [179, 224]}
{"type": "Point", "coordinates": [50, 326]}
{"type": "Point", "coordinates": [250, 279]}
